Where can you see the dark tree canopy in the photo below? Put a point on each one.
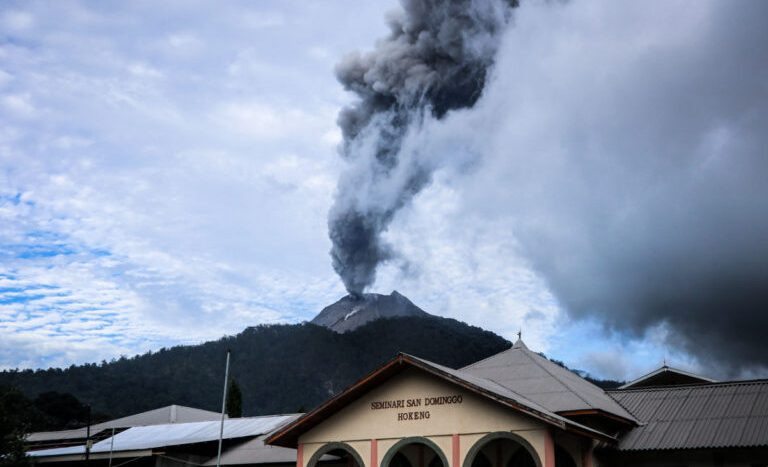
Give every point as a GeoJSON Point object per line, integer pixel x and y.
{"type": "Point", "coordinates": [234, 400]}
{"type": "Point", "coordinates": [278, 368]}
{"type": "Point", "coordinates": [14, 424]}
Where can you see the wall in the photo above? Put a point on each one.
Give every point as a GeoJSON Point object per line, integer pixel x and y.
{"type": "Point", "coordinates": [471, 419]}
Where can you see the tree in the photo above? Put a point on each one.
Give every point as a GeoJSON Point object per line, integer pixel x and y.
{"type": "Point", "coordinates": [62, 410]}
{"type": "Point", "coordinates": [15, 410]}
{"type": "Point", "coordinates": [234, 400]}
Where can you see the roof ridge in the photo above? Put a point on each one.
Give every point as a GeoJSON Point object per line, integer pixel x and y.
{"type": "Point", "coordinates": [488, 358]}
{"type": "Point", "coordinates": [744, 382]}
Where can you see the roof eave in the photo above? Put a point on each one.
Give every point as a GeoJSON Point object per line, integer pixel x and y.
{"type": "Point", "coordinates": [288, 435]}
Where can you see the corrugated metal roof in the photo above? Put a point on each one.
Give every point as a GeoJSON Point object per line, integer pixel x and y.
{"type": "Point", "coordinates": [717, 415]}
{"type": "Point", "coordinates": [254, 451]}
{"type": "Point", "coordinates": [666, 376]}
{"type": "Point", "coordinates": [168, 414]}
{"type": "Point", "coordinates": [539, 380]}
{"type": "Point", "coordinates": [158, 436]}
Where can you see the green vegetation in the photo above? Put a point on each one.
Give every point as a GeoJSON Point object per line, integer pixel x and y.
{"type": "Point", "coordinates": [279, 368]}
{"type": "Point", "coordinates": [13, 425]}
{"type": "Point", "coordinates": [234, 400]}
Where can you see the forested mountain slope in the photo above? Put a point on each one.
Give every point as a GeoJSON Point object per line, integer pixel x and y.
{"type": "Point", "coordinates": [279, 368]}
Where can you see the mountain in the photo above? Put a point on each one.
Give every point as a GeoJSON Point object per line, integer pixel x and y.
{"type": "Point", "coordinates": [351, 311]}
{"type": "Point", "coordinates": [279, 368]}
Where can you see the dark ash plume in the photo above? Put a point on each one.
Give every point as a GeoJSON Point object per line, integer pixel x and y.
{"type": "Point", "coordinates": [435, 59]}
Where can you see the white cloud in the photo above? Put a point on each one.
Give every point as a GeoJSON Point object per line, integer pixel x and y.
{"type": "Point", "coordinates": [19, 105]}
{"type": "Point", "coordinates": [17, 20]}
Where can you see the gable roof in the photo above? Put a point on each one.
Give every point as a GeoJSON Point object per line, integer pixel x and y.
{"type": "Point", "coordinates": [667, 376]}
{"type": "Point", "coordinates": [167, 414]}
{"type": "Point", "coordinates": [288, 435]}
{"type": "Point", "coordinates": [551, 386]}
{"type": "Point", "coordinates": [717, 415]}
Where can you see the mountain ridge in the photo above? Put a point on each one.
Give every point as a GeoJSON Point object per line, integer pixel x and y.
{"type": "Point", "coordinates": [279, 368]}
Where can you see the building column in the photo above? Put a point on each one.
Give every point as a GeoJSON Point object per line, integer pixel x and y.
{"type": "Point", "coordinates": [300, 455]}
{"type": "Point", "coordinates": [456, 451]}
{"type": "Point", "coordinates": [374, 453]}
{"type": "Point", "coordinates": [549, 449]}
{"type": "Point", "coordinates": [586, 454]}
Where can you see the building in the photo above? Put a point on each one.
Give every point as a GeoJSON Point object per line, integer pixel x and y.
{"type": "Point", "coordinates": [518, 409]}
{"type": "Point", "coordinates": [177, 443]}
{"type": "Point", "coordinates": [77, 437]}
{"type": "Point", "coordinates": [513, 409]}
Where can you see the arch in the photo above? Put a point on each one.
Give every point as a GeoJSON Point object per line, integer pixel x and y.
{"type": "Point", "coordinates": [414, 440]}
{"type": "Point", "coordinates": [475, 449]}
{"type": "Point", "coordinates": [327, 448]}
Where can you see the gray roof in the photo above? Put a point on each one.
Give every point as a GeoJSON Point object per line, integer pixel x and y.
{"type": "Point", "coordinates": [177, 434]}
{"type": "Point", "coordinates": [718, 415]}
{"type": "Point", "coordinates": [510, 395]}
{"type": "Point", "coordinates": [667, 376]}
{"type": "Point", "coordinates": [163, 415]}
{"type": "Point", "coordinates": [543, 382]}
{"type": "Point", "coordinates": [254, 451]}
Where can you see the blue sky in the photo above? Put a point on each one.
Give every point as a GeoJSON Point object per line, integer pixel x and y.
{"type": "Point", "coordinates": [166, 169]}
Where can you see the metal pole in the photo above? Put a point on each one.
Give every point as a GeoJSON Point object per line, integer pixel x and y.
{"type": "Point", "coordinates": [223, 409]}
{"type": "Point", "coordinates": [88, 436]}
{"type": "Point", "coordinates": [111, 446]}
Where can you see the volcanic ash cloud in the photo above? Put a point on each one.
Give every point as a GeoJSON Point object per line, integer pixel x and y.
{"type": "Point", "coordinates": [435, 59]}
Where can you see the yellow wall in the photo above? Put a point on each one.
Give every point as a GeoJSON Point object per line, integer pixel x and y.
{"type": "Point", "coordinates": [474, 417]}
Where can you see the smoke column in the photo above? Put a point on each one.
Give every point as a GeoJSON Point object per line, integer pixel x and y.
{"type": "Point", "coordinates": [435, 59]}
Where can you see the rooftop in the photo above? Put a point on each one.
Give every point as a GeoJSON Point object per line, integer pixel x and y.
{"type": "Point", "coordinates": [544, 382]}
{"type": "Point", "coordinates": [715, 415]}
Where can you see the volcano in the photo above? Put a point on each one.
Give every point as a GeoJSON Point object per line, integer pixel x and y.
{"type": "Point", "coordinates": [351, 312]}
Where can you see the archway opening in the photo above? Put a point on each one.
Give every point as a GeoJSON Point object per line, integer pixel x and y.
{"type": "Point", "coordinates": [414, 453]}
{"type": "Point", "coordinates": [335, 455]}
{"type": "Point", "coordinates": [503, 452]}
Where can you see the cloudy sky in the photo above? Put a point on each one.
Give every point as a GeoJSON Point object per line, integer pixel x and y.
{"type": "Point", "coordinates": [166, 171]}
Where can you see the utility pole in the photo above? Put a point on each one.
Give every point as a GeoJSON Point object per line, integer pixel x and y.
{"type": "Point", "coordinates": [223, 409]}
{"type": "Point", "coordinates": [88, 436]}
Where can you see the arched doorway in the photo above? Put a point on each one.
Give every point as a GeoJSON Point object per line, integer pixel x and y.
{"type": "Point", "coordinates": [502, 450]}
{"type": "Point", "coordinates": [414, 452]}
{"type": "Point", "coordinates": [336, 455]}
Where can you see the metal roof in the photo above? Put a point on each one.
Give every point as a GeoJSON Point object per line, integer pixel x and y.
{"type": "Point", "coordinates": [158, 436]}
{"type": "Point", "coordinates": [717, 415]}
{"type": "Point", "coordinates": [288, 435]}
{"type": "Point", "coordinates": [663, 376]}
{"type": "Point", "coordinates": [254, 451]}
{"type": "Point", "coordinates": [548, 384]}
{"type": "Point", "coordinates": [163, 415]}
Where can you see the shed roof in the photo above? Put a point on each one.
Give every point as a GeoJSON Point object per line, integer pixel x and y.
{"type": "Point", "coordinates": [163, 415]}
{"type": "Point", "coordinates": [158, 436]}
{"type": "Point", "coordinates": [717, 415]}
{"type": "Point", "coordinates": [254, 451]}
{"type": "Point", "coordinates": [544, 382]}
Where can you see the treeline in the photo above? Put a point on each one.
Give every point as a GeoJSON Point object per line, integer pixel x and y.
{"type": "Point", "coordinates": [278, 368]}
